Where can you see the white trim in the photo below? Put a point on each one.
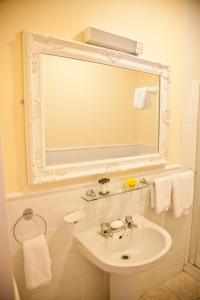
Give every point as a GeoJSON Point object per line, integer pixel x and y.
{"type": "Point", "coordinates": [169, 169]}
{"type": "Point", "coordinates": [37, 44]}
{"type": "Point", "coordinates": [172, 167]}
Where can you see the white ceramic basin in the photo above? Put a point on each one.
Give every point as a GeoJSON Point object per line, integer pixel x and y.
{"type": "Point", "coordinates": [139, 249]}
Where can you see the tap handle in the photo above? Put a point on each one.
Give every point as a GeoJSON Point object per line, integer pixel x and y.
{"type": "Point", "coordinates": [130, 222]}
{"type": "Point", "coordinates": [105, 227]}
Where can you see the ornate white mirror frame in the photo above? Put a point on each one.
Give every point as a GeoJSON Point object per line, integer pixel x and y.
{"type": "Point", "coordinates": [38, 172]}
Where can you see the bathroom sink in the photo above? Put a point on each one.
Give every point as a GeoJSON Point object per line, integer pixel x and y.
{"type": "Point", "coordinates": [125, 254]}
{"type": "Point", "coordinates": [135, 251]}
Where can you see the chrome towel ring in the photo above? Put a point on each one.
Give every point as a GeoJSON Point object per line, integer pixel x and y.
{"type": "Point", "coordinates": [28, 215]}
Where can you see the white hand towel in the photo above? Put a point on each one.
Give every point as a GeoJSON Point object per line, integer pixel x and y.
{"type": "Point", "coordinates": [141, 98]}
{"type": "Point", "coordinates": [161, 194]}
{"type": "Point", "coordinates": [37, 262]}
{"type": "Point", "coordinates": [182, 192]}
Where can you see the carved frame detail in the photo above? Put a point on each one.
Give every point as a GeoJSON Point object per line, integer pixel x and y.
{"type": "Point", "coordinates": [36, 44]}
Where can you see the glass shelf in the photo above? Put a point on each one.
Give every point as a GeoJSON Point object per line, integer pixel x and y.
{"type": "Point", "coordinates": [114, 193]}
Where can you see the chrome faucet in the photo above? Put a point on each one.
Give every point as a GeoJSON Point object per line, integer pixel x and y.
{"type": "Point", "coordinates": [106, 230]}
{"type": "Point", "coordinates": [130, 222]}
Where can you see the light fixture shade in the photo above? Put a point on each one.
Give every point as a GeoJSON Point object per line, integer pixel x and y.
{"type": "Point", "coordinates": [112, 41]}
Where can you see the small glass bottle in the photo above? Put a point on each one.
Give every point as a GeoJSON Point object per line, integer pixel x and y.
{"type": "Point", "coordinates": [104, 186]}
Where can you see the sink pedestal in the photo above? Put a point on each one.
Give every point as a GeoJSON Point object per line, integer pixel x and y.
{"type": "Point", "coordinates": [124, 259]}
{"type": "Point", "coordinates": [124, 287]}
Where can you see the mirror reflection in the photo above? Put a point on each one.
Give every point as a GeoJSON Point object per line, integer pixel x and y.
{"type": "Point", "coordinates": [95, 111]}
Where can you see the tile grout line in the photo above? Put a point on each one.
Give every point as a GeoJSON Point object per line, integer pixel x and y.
{"type": "Point", "coordinates": [171, 290]}
{"type": "Point", "coordinates": [188, 293]}
{"type": "Point", "coordinates": [175, 293]}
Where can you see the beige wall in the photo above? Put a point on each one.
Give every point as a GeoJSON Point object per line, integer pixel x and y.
{"type": "Point", "coordinates": [157, 23]}
{"type": "Point", "coordinates": [90, 104]}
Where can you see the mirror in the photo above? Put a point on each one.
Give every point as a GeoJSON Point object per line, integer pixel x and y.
{"type": "Point", "coordinates": [82, 109]}
{"type": "Point", "coordinates": [88, 106]}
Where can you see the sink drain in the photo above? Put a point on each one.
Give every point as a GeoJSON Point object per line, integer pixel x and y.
{"type": "Point", "coordinates": [125, 256]}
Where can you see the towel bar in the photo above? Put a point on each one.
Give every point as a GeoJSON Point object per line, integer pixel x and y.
{"type": "Point", "coordinates": [150, 181]}
{"type": "Point", "coordinates": [28, 215]}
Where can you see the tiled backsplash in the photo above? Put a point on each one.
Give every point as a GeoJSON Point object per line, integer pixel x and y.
{"type": "Point", "coordinates": [74, 277]}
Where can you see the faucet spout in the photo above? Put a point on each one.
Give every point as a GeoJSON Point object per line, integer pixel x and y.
{"type": "Point", "coordinates": [106, 230]}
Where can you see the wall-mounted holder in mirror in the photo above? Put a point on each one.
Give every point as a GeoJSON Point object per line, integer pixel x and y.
{"type": "Point", "coordinates": [89, 107]}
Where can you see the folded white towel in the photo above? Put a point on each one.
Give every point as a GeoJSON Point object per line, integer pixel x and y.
{"type": "Point", "coordinates": [37, 262]}
{"type": "Point", "coordinates": [161, 194]}
{"type": "Point", "coordinates": [182, 192]}
{"type": "Point", "coordinates": [141, 98]}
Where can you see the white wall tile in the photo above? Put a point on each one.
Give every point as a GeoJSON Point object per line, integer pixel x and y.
{"type": "Point", "coordinates": [71, 290]}
{"type": "Point", "coordinates": [69, 266]}
{"type": "Point", "coordinates": [96, 295]}
{"type": "Point", "coordinates": [66, 203]}
{"type": "Point", "coordinates": [168, 267]}
{"type": "Point", "coordinates": [70, 269]}
{"type": "Point", "coordinates": [93, 280]}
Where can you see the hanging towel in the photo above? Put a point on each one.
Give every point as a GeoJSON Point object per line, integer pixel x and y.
{"type": "Point", "coordinates": [37, 262]}
{"type": "Point", "coordinates": [182, 192]}
{"type": "Point", "coordinates": [141, 98]}
{"type": "Point", "coordinates": [161, 194]}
